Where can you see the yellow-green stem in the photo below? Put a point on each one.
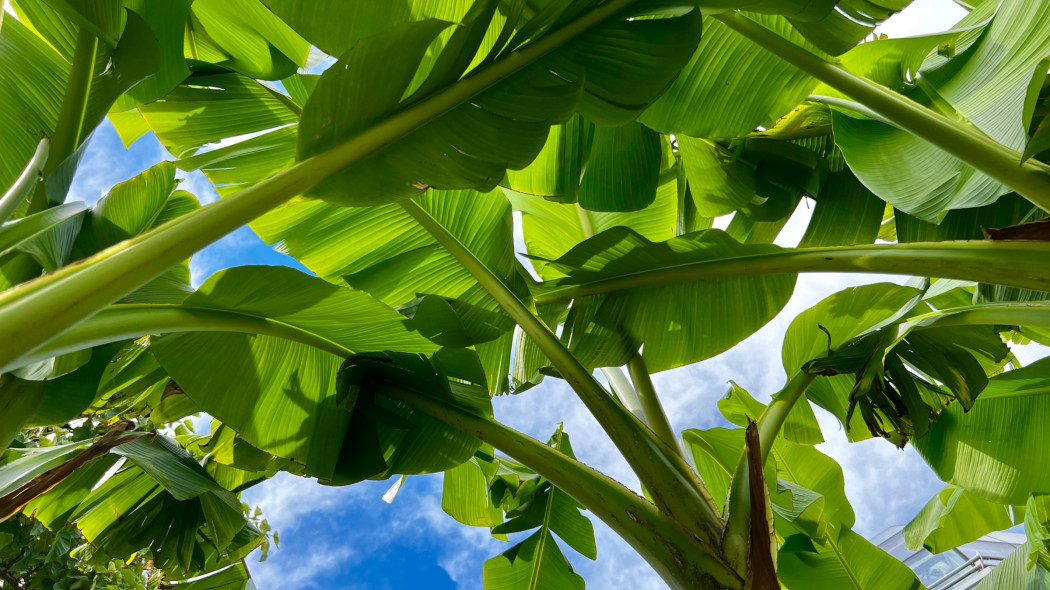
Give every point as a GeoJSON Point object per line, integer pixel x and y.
{"type": "Point", "coordinates": [33, 313]}
{"type": "Point", "coordinates": [675, 488]}
{"type": "Point", "coordinates": [680, 559]}
{"type": "Point", "coordinates": [1010, 263]}
{"type": "Point", "coordinates": [655, 416]}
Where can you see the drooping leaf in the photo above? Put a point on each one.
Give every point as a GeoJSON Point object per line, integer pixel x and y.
{"type": "Point", "coordinates": [551, 229]}
{"type": "Point", "coordinates": [454, 151]}
{"type": "Point", "coordinates": [255, 42]}
{"type": "Point", "coordinates": [847, 560]}
{"type": "Point", "coordinates": [833, 322]}
{"type": "Point", "coordinates": [953, 517]}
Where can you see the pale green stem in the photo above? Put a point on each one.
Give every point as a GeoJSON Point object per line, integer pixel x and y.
{"type": "Point", "coordinates": [33, 313]}
{"type": "Point", "coordinates": [624, 391]}
{"type": "Point", "coordinates": [121, 322]}
{"type": "Point", "coordinates": [674, 486]}
{"type": "Point", "coordinates": [655, 416]}
{"type": "Point", "coordinates": [1010, 263]}
{"type": "Point", "coordinates": [842, 103]}
{"type": "Point", "coordinates": [24, 183]}
{"type": "Point", "coordinates": [1007, 313]}
{"type": "Point", "coordinates": [680, 559]}
{"type": "Point", "coordinates": [70, 123]}
{"type": "Point", "coordinates": [1031, 180]}
{"type": "Point", "coordinates": [736, 542]}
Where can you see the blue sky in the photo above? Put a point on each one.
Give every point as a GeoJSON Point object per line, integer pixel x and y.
{"type": "Point", "coordinates": [349, 539]}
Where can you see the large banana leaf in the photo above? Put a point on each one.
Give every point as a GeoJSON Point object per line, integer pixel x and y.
{"type": "Point", "coordinates": [1014, 572]}
{"type": "Point", "coordinates": [382, 250]}
{"type": "Point", "coordinates": [223, 105]}
{"type": "Point", "coordinates": [551, 229]}
{"type": "Point", "coordinates": [833, 25]}
{"type": "Point", "coordinates": [336, 26]}
{"type": "Point", "coordinates": [739, 85]}
{"type": "Point", "coordinates": [953, 517]}
{"type": "Point", "coordinates": [974, 451]}
{"type": "Point", "coordinates": [846, 560]}
{"type": "Point", "coordinates": [250, 383]}
{"type": "Point", "coordinates": [984, 86]}
{"type": "Point", "coordinates": [55, 90]}
{"type": "Point", "coordinates": [31, 100]}
{"type": "Point", "coordinates": [604, 169]}
{"type": "Point", "coordinates": [134, 207]}
{"type": "Point", "coordinates": [679, 323]}
{"type": "Point", "coordinates": [456, 151]}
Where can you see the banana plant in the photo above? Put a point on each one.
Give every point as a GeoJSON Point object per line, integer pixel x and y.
{"type": "Point", "coordinates": [618, 130]}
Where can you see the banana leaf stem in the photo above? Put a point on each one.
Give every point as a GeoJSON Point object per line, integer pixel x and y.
{"type": "Point", "coordinates": [680, 559]}
{"type": "Point", "coordinates": [33, 313]}
{"type": "Point", "coordinates": [1010, 263]}
{"type": "Point", "coordinates": [1031, 179]}
{"type": "Point", "coordinates": [675, 488]}
{"type": "Point", "coordinates": [736, 543]}
{"type": "Point", "coordinates": [655, 416]}
{"type": "Point", "coordinates": [1035, 314]}
{"type": "Point", "coordinates": [24, 183]}
{"type": "Point", "coordinates": [124, 321]}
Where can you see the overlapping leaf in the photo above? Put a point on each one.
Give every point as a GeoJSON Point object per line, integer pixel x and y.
{"type": "Point", "coordinates": [984, 86]}
{"type": "Point", "coordinates": [677, 323]}
{"type": "Point", "coordinates": [953, 517]}
{"type": "Point", "coordinates": [972, 449]}
{"type": "Point", "coordinates": [277, 393]}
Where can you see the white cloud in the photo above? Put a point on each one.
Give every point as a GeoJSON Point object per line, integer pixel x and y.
{"type": "Point", "coordinates": [923, 17]}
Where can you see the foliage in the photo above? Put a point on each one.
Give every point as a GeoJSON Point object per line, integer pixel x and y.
{"type": "Point", "coordinates": [389, 148]}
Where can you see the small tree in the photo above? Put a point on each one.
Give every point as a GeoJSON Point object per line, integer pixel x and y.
{"type": "Point", "coordinates": [620, 130]}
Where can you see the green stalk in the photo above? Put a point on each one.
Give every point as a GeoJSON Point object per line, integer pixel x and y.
{"type": "Point", "coordinates": [736, 543]}
{"type": "Point", "coordinates": [74, 108]}
{"type": "Point", "coordinates": [680, 559]}
{"type": "Point", "coordinates": [655, 416]}
{"type": "Point", "coordinates": [33, 313]}
{"type": "Point", "coordinates": [1008, 314]}
{"type": "Point", "coordinates": [1015, 264]}
{"type": "Point", "coordinates": [624, 391]}
{"type": "Point", "coordinates": [121, 322]}
{"type": "Point", "coordinates": [25, 182]}
{"type": "Point", "coordinates": [674, 486]}
{"type": "Point", "coordinates": [1031, 179]}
